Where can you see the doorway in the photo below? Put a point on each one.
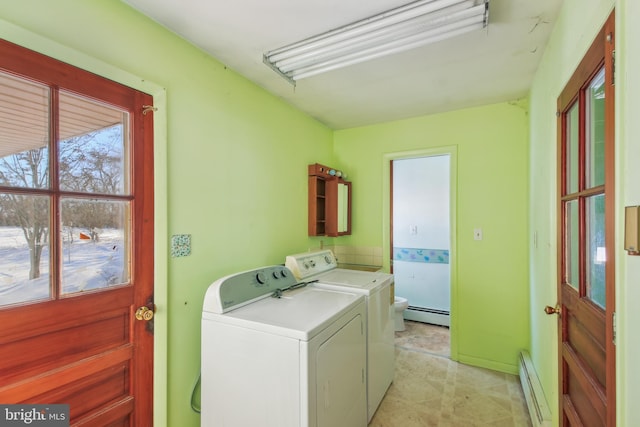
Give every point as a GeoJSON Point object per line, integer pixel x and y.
{"type": "Point", "coordinates": [420, 238]}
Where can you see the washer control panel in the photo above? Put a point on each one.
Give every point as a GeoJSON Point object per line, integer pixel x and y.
{"type": "Point", "coordinates": [308, 264]}
{"type": "Point", "coordinates": [240, 289]}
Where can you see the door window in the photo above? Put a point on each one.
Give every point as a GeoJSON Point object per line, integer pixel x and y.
{"type": "Point", "coordinates": [64, 193]}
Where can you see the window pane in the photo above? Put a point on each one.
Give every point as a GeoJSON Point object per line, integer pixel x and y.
{"type": "Point", "coordinates": [572, 154]}
{"type": "Point", "coordinates": [93, 143]}
{"type": "Point", "coordinates": [24, 248]}
{"type": "Point", "coordinates": [596, 255]}
{"type": "Point", "coordinates": [595, 131]}
{"type": "Point", "coordinates": [95, 244]}
{"type": "Point", "coordinates": [571, 258]}
{"type": "Point", "coordinates": [24, 133]}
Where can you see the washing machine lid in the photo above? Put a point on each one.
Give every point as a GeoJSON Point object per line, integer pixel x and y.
{"type": "Point", "coordinates": [323, 266]}
{"type": "Point", "coordinates": [259, 299]}
{"type": "Point", "coordinates": [299, 314]}
{"type": "Point", "coordinates": [355, 279]}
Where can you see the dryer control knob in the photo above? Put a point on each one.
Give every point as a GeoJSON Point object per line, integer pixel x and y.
{"type": "Point", "coordinates": [327, 259]}
{"type": "Point", "coordinates": [261, 278]}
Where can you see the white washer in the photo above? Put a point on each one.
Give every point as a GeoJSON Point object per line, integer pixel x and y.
{"type": "Point", "coordinates": [298, 360]}
{"type": "Point", "coordinates": [377, 287]}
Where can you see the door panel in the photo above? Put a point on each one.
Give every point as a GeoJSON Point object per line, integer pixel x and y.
{"type": "Point", "coordinates": [76, 241]}
{"type": "Point", "coordinates": [586, 251]}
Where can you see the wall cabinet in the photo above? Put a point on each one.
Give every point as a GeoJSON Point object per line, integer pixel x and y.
{"type": "Point", "coordinates": [329, 202]}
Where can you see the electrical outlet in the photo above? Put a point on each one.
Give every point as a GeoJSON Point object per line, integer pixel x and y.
{"type": "Point", "coordinates": [477, 234]}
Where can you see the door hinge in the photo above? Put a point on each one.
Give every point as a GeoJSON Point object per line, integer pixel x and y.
{"type": "Point", "coordinates": [615, 328]}
{"type": "Point", "coordinates": [148, 109]}
{"type": "Point", "coordinates": [613, 67]}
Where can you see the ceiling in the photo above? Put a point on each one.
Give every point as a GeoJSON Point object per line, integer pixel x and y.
{"type": "Point", "coordinates": [496, 64]}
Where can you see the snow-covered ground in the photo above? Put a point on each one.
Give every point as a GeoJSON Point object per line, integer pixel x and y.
{"type": "Point", "coordinates": [86, 264]}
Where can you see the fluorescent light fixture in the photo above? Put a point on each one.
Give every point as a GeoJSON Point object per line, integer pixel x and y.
{"type": "Point", "coordinates": [397, 30]}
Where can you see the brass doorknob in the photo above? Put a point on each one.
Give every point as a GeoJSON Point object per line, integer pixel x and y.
{"type": "Point", "coordinates": [144, 313]}
{"type": "Point", "coordinates": [552, 310]}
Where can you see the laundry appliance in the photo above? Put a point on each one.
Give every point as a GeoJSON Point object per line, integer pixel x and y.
{"type": "Point", "coordinates": [278, 353]}
{"type": "Point", "coordinates": [377, 288]}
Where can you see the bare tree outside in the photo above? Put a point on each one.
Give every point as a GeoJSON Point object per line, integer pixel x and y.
{"type": "Point", "coordinates": [88, 163]}
{"type": "Point", "coordinates": [31, 213]}
{"type": "Point", "coordinates": [92, 163]}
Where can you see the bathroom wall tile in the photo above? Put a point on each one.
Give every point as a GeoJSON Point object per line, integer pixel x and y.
{"type": "Point", "coordinates": [364, 250]}
{"type": "Point", "coordinates": [364, 259]}
{"type": "Point", "coordinates": [348, 259]}
{"type": "Point", "coordinates": [363, 255]}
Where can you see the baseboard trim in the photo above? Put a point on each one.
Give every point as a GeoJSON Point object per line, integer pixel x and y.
{"type": "Point", "coordinates": [488, 364]}
{"type": "Point", "coordinates": [427, 316]}
{"type": "Point", "coordinates": [534, 396]}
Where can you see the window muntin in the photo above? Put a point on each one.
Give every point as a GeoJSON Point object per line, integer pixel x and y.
{"type": "Point", "coordinates": [65, 209]}
{"type": "Point", "coordinates": [584, 249]}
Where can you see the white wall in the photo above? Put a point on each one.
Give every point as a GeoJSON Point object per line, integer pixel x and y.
{"type": "Point", "coordinates": [628, 177]}
{"type": "Point", "coordinates": [421, 231]}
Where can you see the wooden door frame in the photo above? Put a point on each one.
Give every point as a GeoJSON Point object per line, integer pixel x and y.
{"type": "Point", "coordinates": [592, 61]}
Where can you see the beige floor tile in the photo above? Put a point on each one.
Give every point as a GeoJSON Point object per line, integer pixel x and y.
{"type": "Point", "coordinates": [431, 390]}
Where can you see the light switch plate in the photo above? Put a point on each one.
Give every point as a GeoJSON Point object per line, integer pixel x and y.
{"type": "Point", "coordinates": [180, 245]}
{"type": "Point", "coordinates": [477, 234]}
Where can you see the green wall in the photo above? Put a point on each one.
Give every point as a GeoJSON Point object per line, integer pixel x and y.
{"type": "Point", "coordinates": [231, 164]}
{"type": "Point", "coordinates": [226, 150]}
{"type": "Point", "coordinates": [490, 320]}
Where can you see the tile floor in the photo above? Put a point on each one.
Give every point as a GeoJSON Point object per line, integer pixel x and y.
{"type": "Point", "coordinates": [431, 390]}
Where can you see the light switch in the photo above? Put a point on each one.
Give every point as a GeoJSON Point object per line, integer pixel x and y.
{"type": "Point", "coordinates": [632, 230]}
{"type": "Point", "coordinates": [413, 230]}
{"type": "Point", "coordinates": [477, 234]}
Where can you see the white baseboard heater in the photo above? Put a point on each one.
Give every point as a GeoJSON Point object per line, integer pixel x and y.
{"type": "Point", "coordinates": [533, 394]}
{"type": "Point", "coordinates": [427, 315]}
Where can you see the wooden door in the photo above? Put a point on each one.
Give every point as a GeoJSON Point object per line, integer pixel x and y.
{"type": "Point", "coordinates": [76, 241]}
{"type": "Point", "coordinates": [586, 254]}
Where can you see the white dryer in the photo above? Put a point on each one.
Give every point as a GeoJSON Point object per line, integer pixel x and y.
{"type": "Point", "coordinates": [278, 354]}
{"type": "Point", "coordinates": [377, 287]}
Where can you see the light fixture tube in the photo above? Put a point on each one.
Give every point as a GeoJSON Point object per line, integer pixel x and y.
{"type": "Point", "coordinates": [379, 37]}
{"type": "Point", "coordinates": [392, 17]}
{"type": "Point", "coordinates": [397, 30]}
{"type": "Point", "coordinates": [374, 53]}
